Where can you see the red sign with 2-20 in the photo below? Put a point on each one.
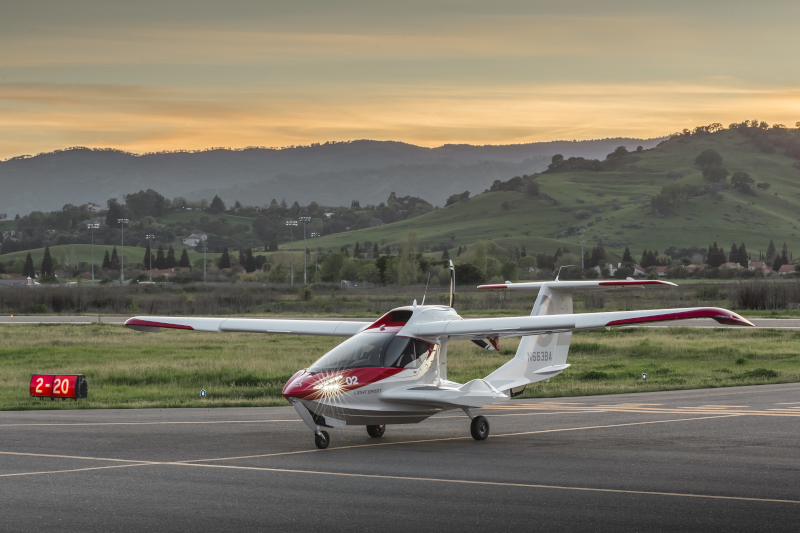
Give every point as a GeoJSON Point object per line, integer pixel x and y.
{"type": "Point", "coordinates": [59, 386]}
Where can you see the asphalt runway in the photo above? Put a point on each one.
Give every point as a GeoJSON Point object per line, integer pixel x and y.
{"type": "Point", "coordinates": [703, 460]}
{"type": "Point", "coordinates": [781, 323]}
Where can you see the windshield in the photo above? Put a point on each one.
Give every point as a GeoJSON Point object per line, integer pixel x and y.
{"type": "Point", "coordinates": [369, 350]}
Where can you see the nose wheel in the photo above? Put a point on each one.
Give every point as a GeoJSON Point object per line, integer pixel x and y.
{"type": "Point", "coordinates": [376, 431]}
{"type": "Point", "coordinates": [479, 428]}
{"type": "Point", "coordinates": [322, 439]}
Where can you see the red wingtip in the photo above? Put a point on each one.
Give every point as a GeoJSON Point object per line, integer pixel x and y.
{"type": "Point", "coordinates": [138, 322]}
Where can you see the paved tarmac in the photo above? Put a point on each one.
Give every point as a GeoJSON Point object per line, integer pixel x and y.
{"type": "Point", "coordinates": [703, 460]}
{"type": "Point", "coordinates": [782, 323]}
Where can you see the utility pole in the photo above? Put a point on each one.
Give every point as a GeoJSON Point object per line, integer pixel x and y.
{"type": "Point", "coordinates": [93, 227]}
{"type": "Point", "coordinates": [582, 267]}
{"type": "Point", "coordinates": [122, 222]}
{"type": "Point", "coordinates": [205, 249]}
{"type": "Point", "coordinates": [150, 239]}
{"type": "Point", "coordinates": [304, 219]}
{"type": "Point", "coordinates": [316, 259]}
{"type": "Point", "coordinates": [292, 224]}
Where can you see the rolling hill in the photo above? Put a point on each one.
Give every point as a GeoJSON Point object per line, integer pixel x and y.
{"type": "Point", "coordinates": [616, 205]}
{"type": "Point", "coordinates": [331, 174]}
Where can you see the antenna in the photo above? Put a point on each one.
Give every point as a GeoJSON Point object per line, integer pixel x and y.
{"type": "Point", "coordinates": [559, 270]}
{"type": "Point", "coordinates": [452, 283]}
{"type": "Point", "coordinates": [426, 288]}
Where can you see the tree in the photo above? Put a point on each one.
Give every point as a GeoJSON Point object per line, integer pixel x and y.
{"type": "Point", "coordinates": [626, 256]}
{"type": "Point", "coordinates": [744, 260]}
{"type": "Point", "coordinates": [468, 274]}
{"type": "Point", "coordinates": [454, 199]}
{"type": "Point", "coordinates": [375, 252]}
{"type": "Point", "coordinates": [249, 261]}
{"type": "Point", "coordinates": [106, 262]}
{"type": "Point", "coordinates": [147, 257]}
{"type": "Point", "coordinates": [556, 161]}
{"type": "Point", "coordinates": [532, 188]}
{"type": "Point", "coordinates": [715, 174]}
{"type": "Point", "coordinates": [225, 259]}
{"type": "Point", "coordinates": [161, 262]}
{"type": "Point", "coordinates": [184, 262]}
{"type": "Point", "coordinates": [28, 270]}
{"type": "Point", "coordinates": [708, 157]}
{"type": "Point", "coordinates": [509, 271]}
{"type": "Point", "coordinates": [742, 181]}
{"type": "Point", "coordinates": [445, 255]}
{"type": "Point", "coordinates": [480, 261]}
{"type": "Point", "coordinates": [733, 255]}
{"type": "Point", "coordinates": [716, 256]}
{"type": "Point", "coordinates": [114, 259]}
{"type": "Point", "coordinates": [785, 255]}
{"type": "Point", "coordinates": [764, 186]}
{"type": "Point", "coordinates": [332, 266]}
{"type": "Point", "coordinates": [115, 212]}
{"type": "Point", "coordinates": [170, 261]}
{"type": "Point", "coordinates": [407, 268]}
{"type": "Point", "coordinates": [771, 251]}
{"type": "Point", "coordinates": [217, 205]}
{"type": "Point", "coordinates": [145, 203]}
{"type": "Point", "coordinates": [357, 250]}
{"type": "Point", "coordinates": [47, 263]}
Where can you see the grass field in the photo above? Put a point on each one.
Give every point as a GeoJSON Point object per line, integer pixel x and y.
{"type": "Point", "coordinates": [188, 216]}
{"type": "Point", "coordinates": [83, 252]}
{"type": "Point", "coordinates": [128, 369]}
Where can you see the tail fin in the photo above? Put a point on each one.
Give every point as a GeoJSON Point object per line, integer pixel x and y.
{"type": "Point", "coordinates": [541, 357]}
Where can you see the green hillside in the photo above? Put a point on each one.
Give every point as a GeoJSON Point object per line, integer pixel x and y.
{"type": "Point", "coordinates": [620, 199]}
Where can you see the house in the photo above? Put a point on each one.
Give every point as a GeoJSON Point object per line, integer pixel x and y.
{"type": "Point", "coordinates": [661, 271]}
{"type": "Point", "coordinates": [94, 208]}
{"type": "Point", "coordinates": [696, 268]}
{"type": "Point", "coordinates": [194, 239]}
{"type": "Point", "coordinates": [753, 265]}
{"type": "Point", "coordinates": [786, 269]}
{"type": "Point", "coordinates": [637, 270]}
{"type": "Point", "coordinates": [166, 272]}
{"type": "Point", "coordinates": [3, 216]}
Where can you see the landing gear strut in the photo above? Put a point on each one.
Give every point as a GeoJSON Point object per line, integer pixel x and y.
{"type": "Point", "coordinates": [479, 428]}
{"type": "Point", "coordinates": [322, 439]}
{"type": "Point", "coordinates": [376, 431]}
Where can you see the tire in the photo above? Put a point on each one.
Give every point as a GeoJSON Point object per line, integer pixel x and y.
{"type": "Point", "coordinates": [376, 432]}
{"type": "Point", "coordinates": [322, 439]}
{"type": "Point", "coordinates": [479, 428]}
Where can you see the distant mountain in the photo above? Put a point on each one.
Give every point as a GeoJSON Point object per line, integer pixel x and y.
{"type": "Point", "coordinates": [331, 173]}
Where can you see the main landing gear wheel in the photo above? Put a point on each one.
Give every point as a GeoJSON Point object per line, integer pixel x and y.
{"type": "Point", "coordinates": [322, 439]}
{"type": "Point", "coordinates": [479, 428]}
{"type": "Point", "coordinates": [376, 431]}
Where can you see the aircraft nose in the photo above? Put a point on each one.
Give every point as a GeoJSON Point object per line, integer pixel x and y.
{"type": "Point", "coordinates": [295, 387]}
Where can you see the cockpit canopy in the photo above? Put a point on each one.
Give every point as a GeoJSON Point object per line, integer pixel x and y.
{"type": "Point", "coordinates": [372, 349]}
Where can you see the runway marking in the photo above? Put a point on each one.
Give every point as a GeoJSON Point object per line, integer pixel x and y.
{"type": "Point", "coordinates": [150, 423]}
{"type": "Point", "coordinates": [787, 403]}
{"type": "Point", "coordinates": [495, 483]}
{"type": "Point", "coordinates": [73, 457]}
{"type": "Point", "coordinates": [74, 470]}
{"type": "Point", "coordinates": [454, 438]}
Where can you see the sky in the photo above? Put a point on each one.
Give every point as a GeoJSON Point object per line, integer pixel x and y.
{"type": "Point", "coordinates": [169, 75]}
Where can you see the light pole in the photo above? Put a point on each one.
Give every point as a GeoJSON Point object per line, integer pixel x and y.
{"type": "Point", "coordinates": [292, 224]}
{"type": "Point", "coordinates": [205, 249]}
{"type": "Point", "coordinates": [304, 219]}
{"type": "Point", "coordinates": [582, 230]}
{"type": "Point", "coordinates": [316, 256]}
{"type": "Point", "coordinates": [93, 227]}
{"type": "Point", "coordinates": [122, 222]}
{"type": "Point", "coordinates": [150, 239]}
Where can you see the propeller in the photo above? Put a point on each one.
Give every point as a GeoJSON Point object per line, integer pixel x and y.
{"type": "Point", "coordinates": [481, 343]}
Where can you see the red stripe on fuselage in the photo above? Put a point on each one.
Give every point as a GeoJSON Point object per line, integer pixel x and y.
{"type": "Point", "coordinates": [305, 386]}
{"type": "Point", "coordinates": [151, 324]}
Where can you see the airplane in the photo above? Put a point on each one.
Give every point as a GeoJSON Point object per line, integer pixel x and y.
{"type": "Point", "coordinates": [394, 370]}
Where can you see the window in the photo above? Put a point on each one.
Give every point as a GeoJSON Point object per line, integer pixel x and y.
{"type": "Point", "coordinates": [364, 350]}
{"type": "Point", "coordinates": [405, 352]}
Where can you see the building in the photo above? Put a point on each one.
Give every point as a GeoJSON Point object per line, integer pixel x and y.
{"type": "Point", "coordinates": [786, 269]}
{"type": "Point", "coordinates": [3, 216]}
{"type": "Point", "coordinates": [93, 207]}
{"type": "Point", "coordinates": [194, 239]}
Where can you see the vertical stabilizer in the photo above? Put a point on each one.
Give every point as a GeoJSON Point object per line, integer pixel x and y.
{"type": "Point", "coordinates": [538, 357]}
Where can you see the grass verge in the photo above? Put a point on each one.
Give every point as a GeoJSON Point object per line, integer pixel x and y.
{"type": "Point", "coordinates": [128, 369]}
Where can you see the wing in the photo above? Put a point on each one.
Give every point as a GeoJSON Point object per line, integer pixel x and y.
{"type": "Point", "coordinates": [478, 328]}
{"type": "Point", "coordinates": [332, 328]}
